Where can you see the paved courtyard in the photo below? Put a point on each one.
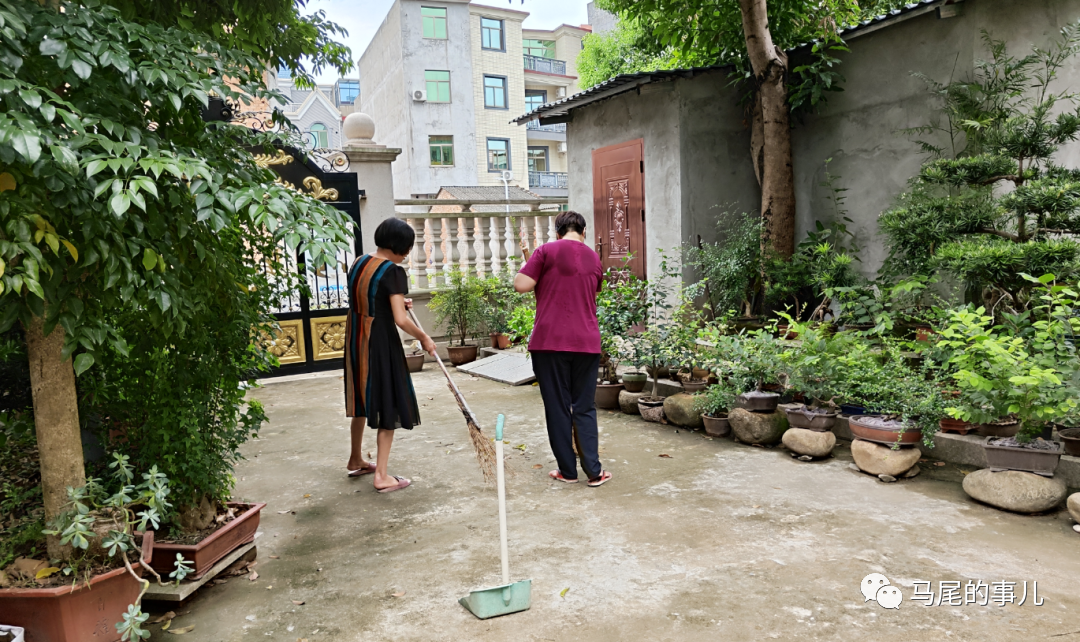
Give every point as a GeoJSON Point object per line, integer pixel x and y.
{"type": "Point", "coordinates": [718, 541]}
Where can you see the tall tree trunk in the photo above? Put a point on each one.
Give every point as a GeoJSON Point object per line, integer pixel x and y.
{"type": "Point", "coordinates": [777, 175]}
{"type": "Point", "coordinates": [56, 419]}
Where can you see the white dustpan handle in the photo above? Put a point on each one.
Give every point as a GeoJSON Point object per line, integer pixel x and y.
{"type": "Point", "coordinates": [500, 480]}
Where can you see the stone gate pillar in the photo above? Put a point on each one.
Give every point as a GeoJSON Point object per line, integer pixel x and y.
{"type": "Point", "coordinates": [371, 162]}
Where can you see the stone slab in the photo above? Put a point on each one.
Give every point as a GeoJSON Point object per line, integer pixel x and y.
{"type": "Point", "coordinates": [173, 593]}
{"type": "Point", "coordinates": [505, 367]}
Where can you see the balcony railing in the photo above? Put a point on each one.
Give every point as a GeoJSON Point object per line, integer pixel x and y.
{"type": "Point", "coordinates": [545, 65]}
{"type": "Point", "coordinates": [555, 180]}
{"type": "Point", "coordinates": [481, 243]}
{"type": "Point", "coordinates": [534, 125]}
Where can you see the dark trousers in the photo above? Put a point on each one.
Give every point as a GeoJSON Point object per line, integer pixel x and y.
{"type": "Point", "coordinates": [568, 386]}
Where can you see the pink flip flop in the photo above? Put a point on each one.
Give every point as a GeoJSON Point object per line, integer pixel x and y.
{"type": "Point", "coordinates": [367, 469]}
{"type": "Point", "coordinates": [558, 476]}
{"type": "Point", "coordinates": [402, 483]}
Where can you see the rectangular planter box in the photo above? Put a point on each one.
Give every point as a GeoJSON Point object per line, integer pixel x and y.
{"type": "Point", "coordinates": [1040, 462]}
{"type": "Point", "coordinates": [67, 614]}
{"type": "Point", "coordinates": [206, 553]}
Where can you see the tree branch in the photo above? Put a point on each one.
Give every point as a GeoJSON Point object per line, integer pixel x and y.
{"type": "Point", "coordinates": [1004, 177]}
{"type": "Point", "coordinates": [1053, 231]}
{"type": "Point", "coordinates": [1005, 235]}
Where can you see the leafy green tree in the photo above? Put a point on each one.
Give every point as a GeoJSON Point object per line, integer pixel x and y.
{"type": "Point", "coordinates": [116, 196]}
{"type": "Point", "coordinates": [995, 205]}
{"type": "Point", "coordinates": [626, 50]}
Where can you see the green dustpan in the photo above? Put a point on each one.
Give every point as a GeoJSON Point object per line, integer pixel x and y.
{"type": "Point", "coordinates": [508, 598]}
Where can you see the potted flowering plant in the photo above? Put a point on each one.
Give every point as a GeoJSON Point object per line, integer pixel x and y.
{"type": "Point", "coordinates": [102, 582]}
{"type": "Point", "coordinates": [714, 405]}
{"type": "Point", "coordinates": [1029, 370]}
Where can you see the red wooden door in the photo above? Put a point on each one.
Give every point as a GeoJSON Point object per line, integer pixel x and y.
{"type": "Point", "coordinates": [619, 205]}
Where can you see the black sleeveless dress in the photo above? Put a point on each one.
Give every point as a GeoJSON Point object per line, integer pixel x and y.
{"type": "Point", "coordinates": [377, 381]}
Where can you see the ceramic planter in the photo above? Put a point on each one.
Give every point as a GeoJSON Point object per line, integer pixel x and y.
{"type": "Point", "coordinates": [651, 408]}
{"type": "Point", "coordinates": [958, 426]}
{"type": "Point", "coordinates": [924, 333]}
{"type": "Point", "coordinates": [499, 341]}
{"type": "Point", "coordinates": [460, 355]}
{"type": "Point", "coordinates": [756, 401]}
{"type": "Point", "coordinates": [694, 386]}
{"type": "Point", "coordinates": [415, 362]}
{"type": "Point", "coordinates": [716, 426]}
{"type": "Point", "coordinates": [210, 550]}
{"type": "Point", "coordinates": [75, 613]}
{"type": "Point", "coordinates": [1040, 462]}
{"type": "Point", "coordinates": [874, 428]}
{"type": "Point", "coordinates": [1070, 438]}
{"type": "Point", "coordinates": [815, 420]}
{"type": "Point", "coordinates": [999, 428]}
{"type": "Point", "coordinates": [607, 395]}
{"type": "Point", "coordinates": [634, 381]}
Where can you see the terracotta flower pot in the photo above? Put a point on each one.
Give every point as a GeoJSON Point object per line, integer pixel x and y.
{"type": "Point", "coordinates": [816, 420]}
{"type": "Point", "coordinates": [415, 362]}
{"type": "Point", "coordinates": [1070, 438]}
{"type": "Point", "coordinates": [958, 426]}
{"type": "Point", "coordinates": [75, 613]}
{"type": "Point", "coordinates": [1001, 428]}
{"type": "Point", "coordinates": [607, 395]}
{"type": "Point", "coordinates": [460, 355]}
{"type": "Point", "coordinates": [1040, 462]}
{"type": "Point", "coordinates": [651, 408]}
{"type": "Point", "coordinates": [499, 341]}
{"type": "Point", "coordinates": [924, 333]}
{"type": "Point", "coordinates": [883, 431]}
{"type": "Point", "coordinates": [634, 381]}
{"type": "Point", "coordinates": [210, 550]}
{"type": "Point", "coordinates": [694, 386]}
{"type": "Point", "coordinates": [716, 426]}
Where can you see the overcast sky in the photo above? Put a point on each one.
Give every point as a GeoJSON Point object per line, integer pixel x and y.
{"type": "Point", "coordinates": [362, 18]}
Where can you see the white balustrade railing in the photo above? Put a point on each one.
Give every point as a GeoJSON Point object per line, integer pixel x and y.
{"type": "Point", "coordinates": [479, 243]}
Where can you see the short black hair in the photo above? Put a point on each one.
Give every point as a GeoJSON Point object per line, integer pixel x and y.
{"type": "Point", "coordinates": [569, 222]}
{"type": "Point", "coordinates": [395, 235]}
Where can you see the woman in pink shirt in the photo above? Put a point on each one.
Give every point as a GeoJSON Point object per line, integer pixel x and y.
{"type": "Point", "coordinates": [565, 345]}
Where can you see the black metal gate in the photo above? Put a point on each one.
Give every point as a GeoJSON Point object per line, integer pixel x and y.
{"type": "Point", "coordinates": [311, 334]}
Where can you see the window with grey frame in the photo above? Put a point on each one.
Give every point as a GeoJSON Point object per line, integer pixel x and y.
{"type": "Point", "coordinates": [534, 99]}
{"type": "Point", "coordinates": [498, 154]}
{"type": "Point", "coordinates": [538, 159]}
{"type": "Point", "coordinates": [491, 34]}
{"type": "Point", "coordinates": [495, 92]}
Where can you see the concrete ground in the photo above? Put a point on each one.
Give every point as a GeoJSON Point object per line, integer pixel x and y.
{"type": "Point", "coordinates": [719, 541]}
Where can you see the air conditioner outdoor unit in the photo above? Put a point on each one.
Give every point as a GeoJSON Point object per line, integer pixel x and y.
{"type": "Point", "coordinates": [420, 95]}
{"type": "Point", "coordinates": [562, 148]}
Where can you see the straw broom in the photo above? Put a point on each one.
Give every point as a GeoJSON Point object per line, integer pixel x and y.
{"type": "Point", "coordinates": [485, 451]}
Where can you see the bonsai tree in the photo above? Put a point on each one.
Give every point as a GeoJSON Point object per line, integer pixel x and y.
{"type": "Point", "coordinates": [718, 399]}
{"type": "Point", "coordinates": [101, 527]}
{"type": "Point", "coordinates": [993, 204]}
{"type": "Point", "coordinates": [117, 195]}
{"type": "Point", "coordinates": [680, 347]}
{"type": "Point", "coordinates": [499, 301]}
{"type": "Point", "coordinates": [730, 271]}
{"type": "Point", "coordinates": [1029, 370]}
{"type": "Point", "coordinates": [460, 305]}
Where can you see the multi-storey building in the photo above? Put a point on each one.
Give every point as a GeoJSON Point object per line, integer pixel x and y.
{"type": "Point", "coordinates": [442, 80]}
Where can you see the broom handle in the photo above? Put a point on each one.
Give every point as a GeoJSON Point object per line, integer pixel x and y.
{"type": "Point", "coordinates": [499, 475]}
{"type": "Point", "coordinates": [453, 388]}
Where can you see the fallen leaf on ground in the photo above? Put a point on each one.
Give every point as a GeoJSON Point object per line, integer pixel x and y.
{"type": "Point", "coordinates": [254, 576]}
{"type": "Point", "coordinates": [275, 557]}
{"type": "Point", "coordinates": [46, 572]}
{"type": "Point", "coordinates": [187, 629]}
{"type": "Point", "coordinates": [399, 594]}
{"type": "Point", "coordinates": [939, 463]}
{"type": "Point", "coordinates": [298, 602]}
{"type": "Point", "coordinates": [538, 466]}
{"type": "Point", "coordinates": [665, 456]}
{"type": "Point", "coordinates": [757, 505]}
{"type": "Point", "coordinates": [308, 495]}
{"type": "Point", "coordinates": [161, 618]}
{"type": "Point", "coordinates": [269, 587]}
{"type": "Point", "coordinates": [564, 591]}
{"type": "Point", "coordinates": [165, 627]}
{"type": "Point", "coordinates": [283, 512]}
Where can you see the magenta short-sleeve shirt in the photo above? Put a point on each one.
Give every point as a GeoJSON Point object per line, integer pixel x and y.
{"type": "Point", "coordinates": [568, 275]}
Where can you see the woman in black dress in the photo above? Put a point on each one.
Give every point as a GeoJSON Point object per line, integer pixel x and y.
{"type": "Point", "coordinates": [378, 388]}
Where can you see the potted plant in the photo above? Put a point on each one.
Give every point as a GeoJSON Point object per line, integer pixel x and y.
{"type": "Point", "coordinates": [751, 360]}
{"type": "Point", "coordinates": [1028, 369]}
{"type": "Point", "coordinates": [608, 386]}
{"type": "Point", "coordinates": [814, 371]}
{"type": "Point", "coordinates": [499, 301]}
{"type": "Point", "coordinates": [714, 405]}
{"type": "Point", "coordinates": [681, 346]}
{"type": "Point", "coordinates": [415, 360]}
{"type": "Point", "coordinates": [97, 591]}
{"type": "Point", "coordinates": [626, 350]}
{"type": "Point", "coordinates": [459, 306]}
{"type": "Point", "coordinates": [521, 322]}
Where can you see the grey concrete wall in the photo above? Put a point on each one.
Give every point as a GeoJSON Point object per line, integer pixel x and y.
{"type": "Point", "coordinates": [654, 117]}
{"type": "Point", "coordinates": [601, 21]}
{"type": "Point", "coordinates": [383, 94]}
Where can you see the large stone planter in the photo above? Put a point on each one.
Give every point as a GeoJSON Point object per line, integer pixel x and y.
{"type": "Point", "coordinates": [716, 426]}
{"type": "Point", "coordinates": [1016, 491]}
{"type": "Point", "coordinates": [680, 411]}
{"type": "Point", "coordinates": [651, 408]}
{"type": "Point", "coordinates": [878, 459]}
{"type": "Point", "coordinates": [1041, 462]}
{"type": "Point", "coordinates": [1074, 506]}
{"type": "Point", "coordinates": [763, 428]}
{"type": "Point", "coordinates": [808, 442]}
{"type": "Point", "coordinates": [79, 612]}
{"type": "Point", "coordinates": [220, 543]}
{"type": "Point", "coordinates": [634, 381]}
{"type": "Point", "coordinates": [607, 395]}
{"type": "Point", "coordinates": [628, 402]}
